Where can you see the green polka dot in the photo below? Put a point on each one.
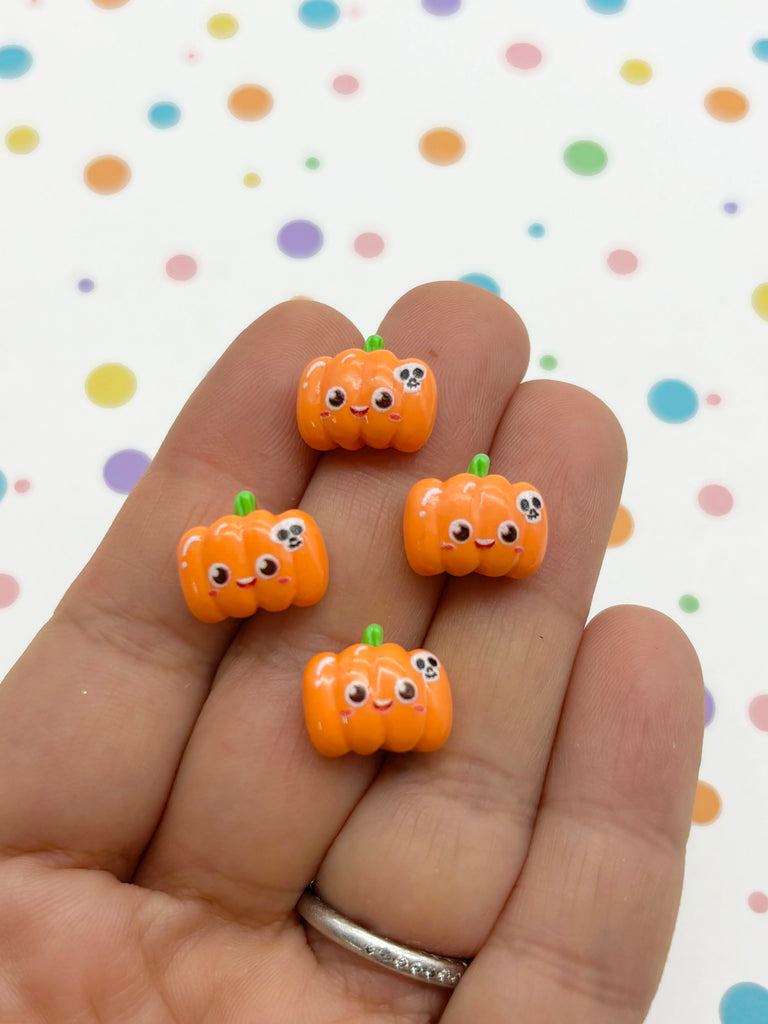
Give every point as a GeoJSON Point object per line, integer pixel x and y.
{"type": "Point", "coordinates": [585, 157]}
{"type": "Point", "coordinates": [689, 603]}
{"type": "Point", "coordinates": [312, 163]}
{"type": "Point", "coordinates": [548, 363]}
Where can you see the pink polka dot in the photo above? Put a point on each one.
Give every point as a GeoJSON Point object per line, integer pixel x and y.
{"type": "Point", "coordinates": [622, 261]}
{"type": "Point", "coordinates": [22, 486]}
{"type": "Point", "coordinates": [523, 56]}
{"type": "Point", "coordinates": [181, 267]}
{"type": "Point", "coordinates": [713, 399]}
{"type": "Point", "coordinates": [758, 902]}
{"type": "Point", "coordinates": [715, 500]}
{"type": "Point", "coordinates": [346, 84]}
{"type": "Point", "coordinates": [369, 244]}
{"type": "Point", "coordinates": [192, 57]}
{"type": "Point", "coordinates": [758, 712]}
{"type": "Point", "coordinates": [9, 590]}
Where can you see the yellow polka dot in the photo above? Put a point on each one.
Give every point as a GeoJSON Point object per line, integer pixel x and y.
{"type": "Point", "coordinates": [251, 180]}
{"type": "Point", "coordinates": [707, 804]}
{"type": "Point", "coordinates": [760, 300]}
{"type": "Point", "coordinates": [110, 385]}
{"type": "Point", "coordinates": [636, 72]}
{"type": "Point", "coordinates": [623, 527]}
{"type": "Point", "coordinates": [222, 26]}
{"type": "Point", "coordinates": [22, 139]}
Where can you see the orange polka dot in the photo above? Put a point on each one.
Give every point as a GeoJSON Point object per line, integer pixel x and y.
{"type": "Point", "coordinates": [726, 104]}
{"type": "Point", "coordinates": [623, 527]}
{"type": "Point", "coordinates": [108, 5]}
{"type": "Point", "coordinates": [441, 146]}
{"type": "Point", "coordinates": [107, 174]}
{"type": "Point", "coordinates": [250, 102]}
{"type": "Point", "coordinates": [707, 804]}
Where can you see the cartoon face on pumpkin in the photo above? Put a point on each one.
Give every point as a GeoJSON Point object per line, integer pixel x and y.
{"type": "Point", "coordinates": [369, 398]}
{"type": "Point", "coordinates": [260, 560]}
{"type": "Point", "coordinates": [376, 697]}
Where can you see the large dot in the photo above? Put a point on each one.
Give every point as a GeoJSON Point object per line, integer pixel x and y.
{"type": "Point", "coordinates": [715, 500]}
{"type": "Point", "coordinates": [22, 140]}
{"type": "Point", "coordinates": [251, 179]}
{"type": "Point", "coordinates": [222, 26]}
{"type": "Point", "coordinates": [15, 61]}
{"type": "Point", "coordinates": [523, 56]}
{"type": "Point", "coordinates": [707, 804]}
{"type": "Point", "coordinates": [85, 285]}
{"type": "Point", "coordinates": [164, 114]}
{"type": "Point", "coordinates": [758, 712]}
{"type": "Point", "coordinates": [22, 486]}
{"type": "Point", "coordinates": [123, 469]}
{"type": "Point", "coordinates": [622, 261]}
{"type": "Point", "coordinates": [760, 49]}
{"type": "Point", "coordinates": [726, 104]}
{"type": "Point", "coordinates": [441, 7]}
{"type": "Point", "coordinates": [623, 527]}
{"type": "Point", "coordinates": [181, 267]}
{"type": "Point", "coordinates": [346, 85]}
{"type": "Point", "coordinates": [673, 401]}
{"type": "Point", "coordinates": [110, 385]}
{"type": "Point", "coordinates": [744, 1003]}
{"type": "Point", "coordinates": [607, 6]}
{"type": "Point", "coordinates": [300, 239]}
{"type": "Point", "coordinates": [548, 363]}
{"type": "Point", "coordinates": [482, 281]}
{"type": "Point", "coordinates": [636, 72]}
{"type": "Point", "coordinates": [760, 300]}
{"type": "Point", "coordinates": [441, 146]}
{"type": "Point", "coordinates": [107, 174]}
{"type": "Point", "coordinates": [369, 245]}
{"type": "Point", "coordinates": [250, 102]}
{"type": "Point", "coordinates": [585, 157]}
{"type": "Point", "coordinates": [9, 590]}
{"type": "Point", "coordinates": [319, 13]}
{"type": "Point", "coordinates": [536, 230]}
{"type": "Point", "coordinates": [758, 902]}
{"type": "Point", "coordinates": [3, 484]}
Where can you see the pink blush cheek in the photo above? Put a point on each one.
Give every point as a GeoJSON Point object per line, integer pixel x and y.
{"type": "Point", "coordinates": [395, 416]}
{"type": "Point", "coordinates": [420, 708]}
{"type": "Point", "coordinates": [324, 414]}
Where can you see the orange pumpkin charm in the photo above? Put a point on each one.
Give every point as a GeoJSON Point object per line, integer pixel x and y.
{"type": "Point", "coordinates": [475, 523]}
{"type": "Point", "coordinates": [252, 559]}
{"type": "Point", "coordinates": [366, 397]}
{"type": "Point", "coordinates": [376, 696]}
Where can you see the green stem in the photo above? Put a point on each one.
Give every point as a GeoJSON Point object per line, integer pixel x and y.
{"type": "Point", "coordinates": [245, 502]}
{"type": "Point", "coordinates": [373, 635]}
{"type": "Point", "coordinates": [480, 465]}
{"type": "Point", "coordinates": [375, 341]}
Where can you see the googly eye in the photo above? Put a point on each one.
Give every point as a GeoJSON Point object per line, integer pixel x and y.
{"type": "Point", "coordinates": [460, 531]}
{"type": "Point", "coordinates": [406, 691]}
{"type": "Point", "coordinates": [266, 567]}
{"type": "Point", "coordinates": [530, 503]}
{"type": "Point", "coordinates": [335, 398]}
{"type": "Point", "coordinates": [219, 575]}
{"type": "Point", "coordinates": [356, 694]}
{"type": "Point", "coordinates": [507, 532]}
{"type": "Point", "coordinates": [382, 399]}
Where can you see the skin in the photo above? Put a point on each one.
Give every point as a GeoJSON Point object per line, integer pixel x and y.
{"type": "Point", "coordinates": [162, 808]}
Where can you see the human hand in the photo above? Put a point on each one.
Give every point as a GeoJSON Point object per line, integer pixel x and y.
{"type": "Point", "coordinates": [162, 808]}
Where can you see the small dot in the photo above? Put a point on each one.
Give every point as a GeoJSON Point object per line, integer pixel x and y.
{"type": "Point", "coordinates": [760, 300]}
{"type": "Point", "coordinates": [707, 804]}
{"type": "Point", "coordinates": [164, 115]}
{"type": "Point", "coordinates": [689, 603]}
{"type": "Point", "coordinates": [85, 285]}
{"type": "Point", "coordinates": [758, 902]}
{"type": "Point", "coordinates": [482, 281]}
{"type": "Point", "coordinates": [585, 158]}
{"type": "Point", "coordinates": [300, 239]}
{"type": "Point", "coordinates": [441, 8]}
{"type": "Point", "coordinates": [548, 363]}
{"type": "Point", "coordinates": [251, 180]}
{"type": "Point", "coordinates": [713, 399]}
{"type": "Point", "coordinates": [250, 102]}
{"type": "Point", "coordinates": [3, 484]}
{"type": "Point", "coordinates": [181, 267]}
{"type": "Point", "coordinates": [731, 207]}
{"type": "Point", "coordinates": [715, 500]}
{"type": "Point", "coordinates": [636, 72]}
{"type": "Point", "coordinates": [312, 163]}
{"type": "Point", "coordinates": [709, 706]}
{"type": "Point", "coordinates": [607, 6]}
{"type": "Point", "coordinates": [222, 26]}
{"type": "Point", "coordinates": [726, 104]}
{"type": "Point", "coordinates": [15, 61]}
{"type": "Point", "coordinates": [623, 527]}
{"type": "Point", "coordinates": [523, 56]}
{"type": "Point", "coordinates": [442, 146]}
{"type": "Point", "coordinates": [673, 401]}
{"type": "Point", "coordinates": [536, 230]}
{"type": "Point", "coordinates": [22, 140]}
{"type": "Point", "coordinates": [760, 49]}
{"type": "Point", "coordinates": [22, 486]}
{"type": "Point", "coordinates": [123, 469]}
{"type": "Point", "coordinates": [107, 174]}
{"type": "Point", "coordinates": [110, 385]}
{"type": "Point", "coordinates": [369, 245]}
{"type": "Point", "coordinates": [191, 57]}
{"type": "Point", "coordinates": [744, 1003]}
{"type": "Point", "coordinates": [758, 712]}
{"type": "Point", "coordinates": [345, 85]}
{"type": "Point", "coordinates": [622, 261]}
{"type": "Point", "coordinates": [319, 13]}
{"type": "Point", "coordinates": [9, 590]}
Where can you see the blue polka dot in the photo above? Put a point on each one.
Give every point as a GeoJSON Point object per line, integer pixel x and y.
{"type": "Point", "coordinates": [15, 61]}
{"type": "Point", "coordinates": [760, 49]}
{"type": "Point", "coordinates": [319, 13]}
{"type": "Point", "coordinates": [745, 1003]}
{"type": "Point", "coordinates": [673, 401]}
{"type": "Point", "coordinates": [482, 281]}
{"type": "Point", "coordinates": [3, 485]}
{"type": "Point", "coordinates": [164, 115]}
{"type": "Point", "coordinates": [536, 230]}
{"type": "Point", "coordinates": [607, 6]}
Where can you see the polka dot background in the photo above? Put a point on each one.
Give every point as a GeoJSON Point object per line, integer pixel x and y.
{"type": "Point", "coordinates": [159, 211]}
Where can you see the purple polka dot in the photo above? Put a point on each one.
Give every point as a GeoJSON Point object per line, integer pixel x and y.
{"type": "Point", "coordinates": [86, 285]}
{"type": "Point", "coordinates": [441, 7]}
{"type": "Point", "coordinates": [731, 207]}
{"type": "Point", "coordinates": [300, 239]}
{"type": "Point", "coordinates": [709, 707]}
{"type": "Point", "coordinates": [123, 469]}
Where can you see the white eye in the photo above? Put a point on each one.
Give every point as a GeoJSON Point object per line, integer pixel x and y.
{"type": "Point", "coordinates": [219, 575]}
{"type": "Point", "coordinates": [507, 532]}
{"type": "Point", "coordinates": [411, 376]}
{"type": "Point", "coordinates": [382, 399]}
{"type": "Point", "coordinates": [266, 567]}
{"type": "Point", "coordinates": [531, 505]}
{"type": "Point", "coordinates": [288, 532]}
{"type": "Point", "coordinates": [406, 691]}
{"type": "Point", "coordinates": [460, 531]}
{"type": "Point", "coordinates": [335, 398]}
{"type": "Point", "coordinates": [356, 694]}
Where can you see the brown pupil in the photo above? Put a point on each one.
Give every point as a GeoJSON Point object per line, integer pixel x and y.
{"type": "Point", "coordinates": [357, 693]}
{"type": "Point", "coordinates": [268, 567]}
{"type": "Point", "coordinates": [509, 534]}
{"type": "Point", "coordinates": [337, 398]}
{"type": "Point", "coordinates": [407, 690]}
{"type": "Point", "coordinates": [384, 400]}
{"type": "Point", "coordinates": [461, 532]}
{"type": "Point", "coordinates": [220, 576]}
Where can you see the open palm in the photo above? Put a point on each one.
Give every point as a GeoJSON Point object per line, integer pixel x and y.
{"type": "Point", "coordinates": [162, 808]}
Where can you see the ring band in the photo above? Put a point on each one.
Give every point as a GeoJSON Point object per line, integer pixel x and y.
{"type": "Point", "coordinates": [427, 967]}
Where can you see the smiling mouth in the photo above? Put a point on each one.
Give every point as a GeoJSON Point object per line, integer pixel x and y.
{"type": "Point", "coordinates": [247, 581]}
{"type": "Point", "coordinates": [383, 705]}
{"type": "Point", "coordinates": [359, 410]}
{"type": "Point", "coordinates": [484, 543]}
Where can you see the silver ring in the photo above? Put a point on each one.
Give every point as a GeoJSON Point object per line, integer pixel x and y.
{"type": "Point", "coordinates": [427, 967]}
